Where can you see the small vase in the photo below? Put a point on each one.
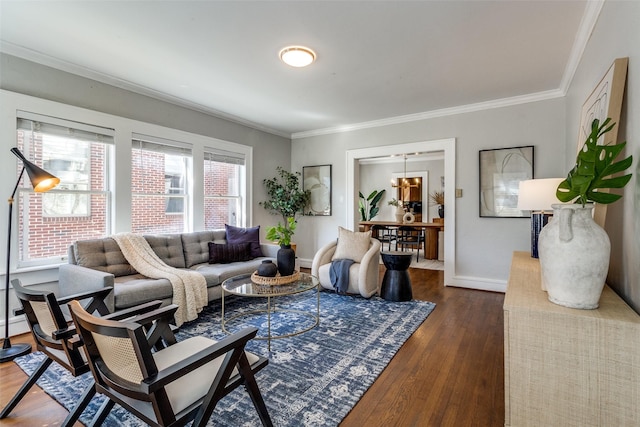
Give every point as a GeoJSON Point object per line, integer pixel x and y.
{"type": "Point", "coordinates": [267, 269]}
{"type": "Point", "coordinates": [441, 211]}
{"type": "Point", "coordinates": [574, 257]}
{"type": "Point", "coordinates": [286, 260]}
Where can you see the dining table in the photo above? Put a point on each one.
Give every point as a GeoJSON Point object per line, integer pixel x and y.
{"type": "Point", "coordinates": [431, 233]}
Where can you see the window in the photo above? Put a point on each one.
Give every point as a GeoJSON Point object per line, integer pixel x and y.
{"type": "Point", "coordinates": [80, 206]}
{"type": "Point", "coordinates": [160, 171]}
{"type": "Point", "coordinates": [224, 177]}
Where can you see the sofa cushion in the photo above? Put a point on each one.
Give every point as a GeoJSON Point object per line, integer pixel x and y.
{"type": "Point", "coordinates": [196, 246]}
{"type": "Point", "coordinates": [168, 247]}
{"type": "Point", "coordinates": [352, 245]}
{"type": "Point", "coordinates": [137, 289]}
{"type": "Point", "coordinates": [243, 235]}
{"type": "Point", "coordinates": [103, 255]}
{"type": "Point", "coordinates": [228, 252]}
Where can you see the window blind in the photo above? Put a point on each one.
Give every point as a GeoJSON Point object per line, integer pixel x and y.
{"type": "Point", "coordinates": [63, 128]}
{"type": "Point", "coordinates": [222, 156]}
{"type": "Point", "coordinates": [160, 145]}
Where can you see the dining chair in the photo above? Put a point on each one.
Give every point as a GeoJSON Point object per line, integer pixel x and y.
{"type": "Point", "coordinates": [411, 237]}
{"type": "Point", "coordinates": [384, 234]}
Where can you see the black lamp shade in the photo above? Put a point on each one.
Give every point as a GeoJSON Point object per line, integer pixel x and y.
{"type": "Point", "coordinates": [40, 179]}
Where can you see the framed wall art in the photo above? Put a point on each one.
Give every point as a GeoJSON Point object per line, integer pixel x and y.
{"type": "Point", "coordinates": [317, 180]}
{"type": "Point", "coordinates": [501, 171]}
{"type": "Point", "coordinates": [605, 101]}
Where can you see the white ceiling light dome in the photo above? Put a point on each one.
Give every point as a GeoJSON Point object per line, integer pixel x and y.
{"type": "Point", "coordinates": [297, 56]}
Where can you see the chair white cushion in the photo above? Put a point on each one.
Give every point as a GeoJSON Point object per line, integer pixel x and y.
{"type": "Point", "coordinates": [354, 272]}
{"type": "Point", "coordinates": [352, 244]}
{"type": "Point", "coordinates": [193, 386]}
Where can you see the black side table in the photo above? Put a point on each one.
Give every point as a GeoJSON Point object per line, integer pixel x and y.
{"type": "Point", "coordinates": [396, 284]}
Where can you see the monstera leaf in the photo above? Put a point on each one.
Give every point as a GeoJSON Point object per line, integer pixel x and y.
{"type": "Point", "coordinates": [593, 170]}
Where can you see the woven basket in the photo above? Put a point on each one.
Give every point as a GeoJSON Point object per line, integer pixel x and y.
{"type": "Point", "coordinates": [275, 281]}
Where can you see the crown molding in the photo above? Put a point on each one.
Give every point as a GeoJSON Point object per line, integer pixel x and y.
{"type": "Point", "coordinates": [497, 103]}
{"type": "Point", "coordinates": [587, 25]}
{"type": "Point", "coordinates": [58, 64]}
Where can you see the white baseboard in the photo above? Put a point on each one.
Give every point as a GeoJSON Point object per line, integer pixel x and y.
{"type": "Point", "coordinates": [478, 283]}
{"type": "Point", "coordinates": [17, 325]}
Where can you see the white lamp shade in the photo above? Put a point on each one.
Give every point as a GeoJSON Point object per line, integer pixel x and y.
{"type": "Point", "coordinates": [538, 194]}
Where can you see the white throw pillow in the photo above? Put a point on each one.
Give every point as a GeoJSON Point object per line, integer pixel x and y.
{"type": "Point", "coordinates": [352, 245]}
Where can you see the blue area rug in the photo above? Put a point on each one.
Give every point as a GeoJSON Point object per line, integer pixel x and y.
{"type": "Point", "coordinates": [313, 379]}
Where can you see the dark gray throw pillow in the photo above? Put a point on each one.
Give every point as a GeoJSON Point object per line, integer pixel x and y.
{"type": "Point", "coordinates": [224, 254]}
{"type": "Point", "coordinates": [243, 235]}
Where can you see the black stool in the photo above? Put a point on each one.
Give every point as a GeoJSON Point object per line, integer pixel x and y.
{"type": "Point", "coordinates": [396, 284]}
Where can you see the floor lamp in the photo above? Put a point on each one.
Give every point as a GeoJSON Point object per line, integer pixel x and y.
{"type": "Point", "coordinates": [42, 181]}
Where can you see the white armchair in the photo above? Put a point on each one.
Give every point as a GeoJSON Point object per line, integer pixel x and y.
{"type": "Point", "coordinates": [363, 275]}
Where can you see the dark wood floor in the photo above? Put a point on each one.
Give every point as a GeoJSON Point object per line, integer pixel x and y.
{"type": "Point", "coordinates": [449, 372]}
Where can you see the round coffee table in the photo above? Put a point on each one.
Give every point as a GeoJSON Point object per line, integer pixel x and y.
{"type": "Point", "coordinates": [396, 284]}
{"type": "Point", "coordinates": [242, 285]}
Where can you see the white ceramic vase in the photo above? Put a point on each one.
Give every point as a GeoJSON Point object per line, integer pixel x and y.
{"type": "Point", "coordinates": [399, 214]}
{"type": "Point", "coordinates": [574, 257]}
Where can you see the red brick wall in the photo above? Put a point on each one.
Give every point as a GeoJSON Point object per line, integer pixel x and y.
{"type": "Point", "coordinates": [51, 236]}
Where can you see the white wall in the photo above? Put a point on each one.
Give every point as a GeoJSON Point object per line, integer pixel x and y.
{"type": "Point", "coordinates": [483, 245]}
{"type": "Point", "coordinates": [616, 35]}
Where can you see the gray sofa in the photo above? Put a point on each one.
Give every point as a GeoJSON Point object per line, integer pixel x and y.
{"type": "Point", "coordinates": [98, 263]}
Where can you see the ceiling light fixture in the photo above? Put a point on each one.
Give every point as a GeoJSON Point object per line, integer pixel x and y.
{"type": "Point", "coordinates": [297, 56]}
{"type": "Point", "coordinates": [404, 183]}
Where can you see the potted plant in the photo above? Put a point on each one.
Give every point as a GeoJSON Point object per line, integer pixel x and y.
{"type": "Point", "coordinates": [437, 198]}
{"type": "Point", "coordinates": [287, 199]}
{"type": "Point", "coordinates": [369, 205]}
{"type": "Point", "coordinates": [574, 250]}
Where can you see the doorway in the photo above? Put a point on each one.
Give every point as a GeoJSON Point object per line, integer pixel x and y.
{"type": "Point", "coordinates": [445, 145]}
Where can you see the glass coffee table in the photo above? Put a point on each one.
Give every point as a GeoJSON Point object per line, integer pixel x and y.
{"type": "Point", "coordinates": [242, 285]}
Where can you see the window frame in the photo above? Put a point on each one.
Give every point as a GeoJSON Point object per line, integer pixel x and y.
{"type": "Point", "coordinates": [120, 181]}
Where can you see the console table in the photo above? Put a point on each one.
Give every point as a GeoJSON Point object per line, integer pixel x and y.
{"type": "Point", "coordinates": [568, 367]}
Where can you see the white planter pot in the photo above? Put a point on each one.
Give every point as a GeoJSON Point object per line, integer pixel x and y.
{"type": "Point", "coordinates": [574, 257]}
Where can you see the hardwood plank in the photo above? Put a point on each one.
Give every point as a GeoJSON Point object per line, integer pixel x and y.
{"type": "Point", "coordinates": [448, 373]}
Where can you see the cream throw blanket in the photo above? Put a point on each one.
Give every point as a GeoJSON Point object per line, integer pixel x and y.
{"type": "Point", "coordinates": [189, 287]}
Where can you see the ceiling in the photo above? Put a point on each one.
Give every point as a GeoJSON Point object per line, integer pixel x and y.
{"type": "Point", "coordinates": [378, 61]}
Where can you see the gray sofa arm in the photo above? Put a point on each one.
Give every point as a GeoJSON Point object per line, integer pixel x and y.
{"type": "Point", "coordinates": [73, 279]}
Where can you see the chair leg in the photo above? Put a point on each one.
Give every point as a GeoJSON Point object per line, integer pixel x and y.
{"type": "Point", "coordinates": [25, 387]}
{"type": "Point", "coordinates": [251, 386]}
{"type": "Point", "coordinates": [75, 413]}
{"type": "Point", "coordinates": [103, 412]}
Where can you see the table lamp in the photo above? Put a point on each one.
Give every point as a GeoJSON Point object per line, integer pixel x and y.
{"type": "Point", "coordinates": [537, 196]}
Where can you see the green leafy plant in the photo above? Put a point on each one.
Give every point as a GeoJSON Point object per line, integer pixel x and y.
{"type": "Point", "coordinates": [394, 202]}
{"type": "Point", "coordinates": [593, 169]}
{"type": "Point", "coordinates": [369, 205]}
{"type": "Point", "coordinates": [282, 233]}
{"type": "Point", "coordinates": [286, 199]}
